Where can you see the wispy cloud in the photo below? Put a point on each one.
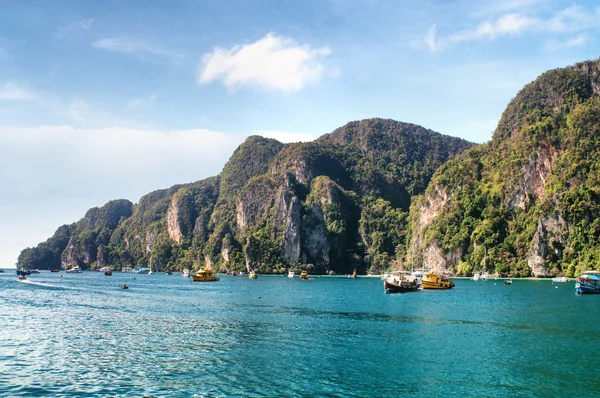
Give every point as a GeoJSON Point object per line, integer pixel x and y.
{"type": "Point", "coordinates": [577, 41]}
{"type": "Point", "coordinates": [272, 63]}
{"type": "Point", "coordinates": [135, 47]}
{"type": "Point", "coordinates": [74, 28]}
{"type": "Point", "coordinates": [12, 92]}
{"type": "Point", "coordinates": [572, 19]}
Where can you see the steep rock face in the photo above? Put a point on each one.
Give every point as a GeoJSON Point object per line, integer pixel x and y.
{"type": "Point", "coordinates": [92, 234]}
{"type": "Point", "coordinates": [338, 203]}
{"type": "Point", "coordinates": [526, 200]}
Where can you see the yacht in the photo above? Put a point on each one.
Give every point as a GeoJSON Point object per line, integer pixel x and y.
{"type": "Point", "coordinates": [476, 277]}
{"type": "Point", "coordinates": [186, 273]}
{"type": "Point", "coordinates": [588, 283]}
{"type": "Point", "coordinates": [485, 276]}
{"type": "Point", "coordinates": [560, 279]}
{"type": "Point", "coordinates": [74, 270]}
{"type": "Point", "coordinates": [291, 274]}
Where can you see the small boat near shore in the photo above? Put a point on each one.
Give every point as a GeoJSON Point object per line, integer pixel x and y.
{"type": "Point", "coordinates": [291, 274]}
{"type": "Point", "coordinates": [435, 280]}
{"type": "Point", "coordinates": [2, 271]}
{"type": "Point", "coordinates": [400, 282]}
{"type": "Point", "coordinates": [560, 279]}
{"type": "Point", "coordinates": [185, 273]}
{"type": "Point", "coordinates": [304, 275]}
{"type": "Point", "coordinates": [55, 270]}
{"type": "Point", "coordinates": [588, 283]}
{"type": "Point", "coordinates": [74, 270]}
{"type": "Point", "coordinates": [508, 282]}
{"type": "Point", "coordinates": [205, 275]}
{"type": "Point", "coordinates": [252, 275]}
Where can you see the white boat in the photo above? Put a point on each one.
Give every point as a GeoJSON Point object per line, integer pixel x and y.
{"type": "Point", "coordinates": [291, 274]}
{"type": "Point", "coordinates": [485, 276]}
{"type": "Point", "coordinates": [186, 273]}
{"type": "Point", "coordinates": [560, 279]}
{"type": "Point", "coordinates": [74, 270]}
{"type": "Point", "coordinates": [476, 277]}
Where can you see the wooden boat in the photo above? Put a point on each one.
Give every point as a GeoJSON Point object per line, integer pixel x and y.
{"type": "Point", "coordinates": [434, 280]}
{"type": "Point", "coordinates": [252, 275]}
{"type": "Point", "coordinates": [304, 275]}
{"type": "Point", "coordinates": [55, 270]}
{"type": "Point", "coordinates": [400, 282]}
{"type": "Point", "coordinates": [205, 275]}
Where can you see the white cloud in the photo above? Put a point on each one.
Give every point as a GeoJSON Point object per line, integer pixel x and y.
{"type": "Point", "coordinates": [283, 136]}
{"type": "Point", "coordinates": [12, 92]}
{"type": "Point", "coordinates": [272, 63]}
{"type": "Point", "coordinates": [571, 19]}
{"type": "Point", "coordinates": [135, 47]}
{"type": "Point", "coordinates": [577, 41]}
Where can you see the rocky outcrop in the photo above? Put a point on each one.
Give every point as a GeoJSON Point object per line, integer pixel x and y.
{"type": "Point", "coordinates": [549, 238]}
{"type": "Point", "coordinates": [173, 221]}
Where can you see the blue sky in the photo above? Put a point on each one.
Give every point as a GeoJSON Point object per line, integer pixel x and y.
{"type": "Point", "coordinates": [113, 99]}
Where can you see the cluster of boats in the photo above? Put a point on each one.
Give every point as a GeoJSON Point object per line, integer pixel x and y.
{"type": "Point", "coordinates": [405, 281]}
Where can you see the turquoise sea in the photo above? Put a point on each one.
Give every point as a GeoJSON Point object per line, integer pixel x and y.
{"type": "Point", "coordinates": [81, 335]}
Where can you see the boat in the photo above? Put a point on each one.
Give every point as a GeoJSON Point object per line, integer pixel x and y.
{"type": "Point", "coordinates": [252, 275]}
{"type": "Point", "coordinates": [1, 271]}
{"type": "Point", "coordinates": [291, 274]}
{"type": "Point", "coordinates": [186, 273]}
{"type": "Point", "coordinates": [127, 270]}
{"type": "Point", "coordinates": [108, 272]}
{"type": "Point", "coordinates": [477, 276]}
{"type": "Point", "coordinates": [588, 283]}
{"type": "Point", "coordinates": [23, 271]}
{"type": "Point", "coordinates": [74, 270]}
{"type": "Point", "coordinates": [304, 275]}
{"type": "Point", "coordinates": [55, 270]}
{"type": "Point", "coordinates": [35, 271]}
{"type": "Point", "coordinates": [168, 273]}
{"type": "Point", "coordinates": [435, 280]}
{"type": "Point", "coordinates": [485, 276]}
{"type": "Point", "coordinates": [400, 282]}
{"type": "Point", "coordinates": [242, 273]}
{"type": "Point", "coordinates": [205, 275]}
{"type": "Point", "coordinates": [560, 279]}
{"type": "Point", "coordinates": [353, 274]}
{"type": "Point", "coordinates": [141, 270]}
{"type": "Point", "coordinates": [508, 282]}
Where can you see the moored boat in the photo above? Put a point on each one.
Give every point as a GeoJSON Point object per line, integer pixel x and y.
{"type": "Point", "coordinates": [252, 275]}
{"type": "Point", "coordinates": [205, 275]}
{"type": "Point", "coordinates": [23, 271]}
{"type": "Point", "coordinates": [1, 271]}
{"type": "Point", "coordinates": [508, 282]}
{"type": "Point", "coordinates": [186, 273]}
{"type": "Point", "coordinates": [588, 283]}
{"type": "Point", "coordinates": [476, 276]}
{"type": "Point", "coordinates": [400, 282]}
{"type": "Point", "coordinates": [561, 279]}
{"type": "Point", "coordinates": [434, 280]}
{"type": "Point", "coordinates": [74, 270]}
{"type": "Point", "coordinates": [168, 273]}
{"type": "Point", "coordinates": [55, 270]}
{"type": "Point", "coordinates": [304, 275]}
{"type": "Point", "coordinates": [108, 272]}
{"type": "Point", "coordinates": [291, 274]}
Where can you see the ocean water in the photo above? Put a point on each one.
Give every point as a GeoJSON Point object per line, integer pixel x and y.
{"type": "Point", "coordinates": [81, 335]}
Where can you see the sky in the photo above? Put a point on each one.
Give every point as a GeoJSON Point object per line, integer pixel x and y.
{"type": "Point", "coordinates": [111, 99]}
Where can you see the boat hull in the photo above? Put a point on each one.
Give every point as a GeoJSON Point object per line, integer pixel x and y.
{"type": "Point", "coordinates": [435, 281]}
{"type": "Point", "coordinates": [402, 287]}
{"type": "Point", "coordinates": [587, 288]}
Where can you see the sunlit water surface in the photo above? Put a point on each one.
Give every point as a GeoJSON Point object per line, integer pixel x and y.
{"type": "Point", "coordinates": [81, 335]}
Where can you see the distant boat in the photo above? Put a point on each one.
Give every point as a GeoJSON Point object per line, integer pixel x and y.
{"type": "Point", "coordinates": [242, 273]}
{"type": "Point", "coordinates": [485, 276]}
{"type": "Point", "coordinates": [108, 272]}
{"type": "Point", "coordinates": [2, 271]}
{"type": "Point", "coordinates": [476, 277]}
{"type": "Point", "coordinates": [23, 271]}
{"type": "Point", "coordinates": [304, 275]}
{"type": "Point", "coordinates": [186, 273]}
{"type": "Point", "coordinates": [168, 273]}
{"type": "Point", "coordinates": [141, 270]}
{"type": "Point", "coordinates": [35, 271]}
{"type": "Point", "coordinates": [55, 270]}
{"type": "Point", "coordinates": [74, 270]}
{"type": "Point", "coordinates": [400, 282]}
{"type": "Point", "coordinates": [252, 275]}
{"type": "Point", "coordinates": [588, 283]}
{"type": "Point", "coordinates": [127, 270]}
{"type": "Point", "coordinates": [205, 275]}
{"type": "Point", "coordinates": [560, 279]}
{"type": "Point", "coordinates": [434, 280]}
{"type": "Point", "coordinates": [508, 282]}
{"type": "Point", "coordinates": [291, 274]}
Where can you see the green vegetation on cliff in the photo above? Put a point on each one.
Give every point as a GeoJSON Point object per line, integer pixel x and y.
{"type": "Point", "coordinates": [338, 203]}
{"type": "Point", "coordinates": [528, 201]}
